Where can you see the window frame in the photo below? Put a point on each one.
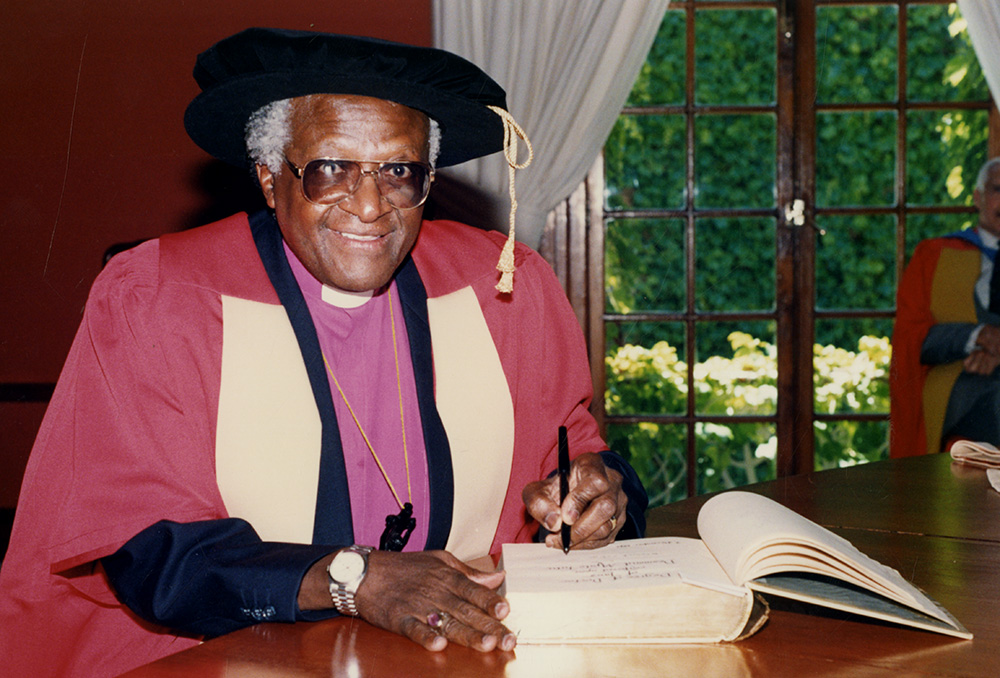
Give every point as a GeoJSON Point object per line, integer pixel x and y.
{"type": "Point", "coordinates": [574, 235]}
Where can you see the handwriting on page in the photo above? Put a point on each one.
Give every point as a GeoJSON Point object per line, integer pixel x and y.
{"type": "Point", "coordinates": [622, 563]}
{"type": "Point", "coordinates": [626, 564]}
{"type": "Point", "coordinates": [607, 571]}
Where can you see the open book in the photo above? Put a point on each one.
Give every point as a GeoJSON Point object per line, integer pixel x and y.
{"type": "Point", "coordinates": [675, 589]}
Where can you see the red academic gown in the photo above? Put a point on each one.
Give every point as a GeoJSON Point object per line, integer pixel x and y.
{"type": "Point", "coordinates": [914, 318]}
{"type": "Point", "coordinates": [129, 438]}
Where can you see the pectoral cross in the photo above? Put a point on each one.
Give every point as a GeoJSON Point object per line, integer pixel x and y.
{"type": "Point", "coordinates": [397, 529]}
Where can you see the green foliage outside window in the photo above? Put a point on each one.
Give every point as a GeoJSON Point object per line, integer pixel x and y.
{"type": "Point", "coordinates": [642, 379]}
{"type": "Point", "coordinates": [734, 167]}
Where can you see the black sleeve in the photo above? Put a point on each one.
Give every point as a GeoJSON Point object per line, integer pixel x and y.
{"type": "Point", "coordinates": [635, 511]}
{"type": "Point", "coordinates": [635, 525]}
{"type": "Point", "coordinates": [945, 343]}
{"type": "Point", "coordinates": [211, 577]}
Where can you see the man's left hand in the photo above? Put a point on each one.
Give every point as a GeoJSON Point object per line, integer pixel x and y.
{"type": "Point", "coordinates": [595, 505]}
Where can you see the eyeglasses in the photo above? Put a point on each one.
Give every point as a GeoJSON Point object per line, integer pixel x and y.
{"type": "Point", "coordinates": [327, 181]}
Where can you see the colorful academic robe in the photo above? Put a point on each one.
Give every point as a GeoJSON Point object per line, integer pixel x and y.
{"type": "Point", "coordinates": [195, 390]}
{"type": "Point", "coordinates": [937, 287]}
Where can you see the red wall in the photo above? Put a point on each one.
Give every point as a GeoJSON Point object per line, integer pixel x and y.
{"type": "Point", "coordinates": [94, 153]}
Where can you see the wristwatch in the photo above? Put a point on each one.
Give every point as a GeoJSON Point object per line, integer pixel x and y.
{"type": "Point", "coordinates": [346, 572]}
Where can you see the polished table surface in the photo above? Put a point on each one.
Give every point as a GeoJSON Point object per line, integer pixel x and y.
{"type": "Point", "coordinates": [936, 522]}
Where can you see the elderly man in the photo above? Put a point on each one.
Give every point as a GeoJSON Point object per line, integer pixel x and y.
{"type": "Point", "coordinates": [946, 341]}
{"type": "Point", "coordinates": [250, 407]}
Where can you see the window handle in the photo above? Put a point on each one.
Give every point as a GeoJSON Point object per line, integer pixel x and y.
{"type": "Point", "coordinates": [795, 212]}
{"type": "Point", "coordinates": [795, 215]}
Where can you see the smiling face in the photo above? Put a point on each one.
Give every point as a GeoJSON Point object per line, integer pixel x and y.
{"type": "Point", "coordinates": [987, 201]}
{"type": "Point", "coordinates": [357, 244]}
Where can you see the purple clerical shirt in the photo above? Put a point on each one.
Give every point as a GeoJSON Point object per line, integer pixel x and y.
{"type": "Point", "coordinates": [358, 345]}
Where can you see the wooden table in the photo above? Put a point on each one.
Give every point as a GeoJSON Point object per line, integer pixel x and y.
{"type": "Point", "coordinates": [935, 522]}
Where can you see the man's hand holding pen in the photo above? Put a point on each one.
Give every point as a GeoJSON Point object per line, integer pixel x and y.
{"type": "Point", "coordinates": [594, 507]}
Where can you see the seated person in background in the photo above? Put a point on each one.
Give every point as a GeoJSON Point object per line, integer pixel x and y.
{"type": "Point", "coordinates": [249, 407]}
{"type": "Point", "coordinates": [946, 341]}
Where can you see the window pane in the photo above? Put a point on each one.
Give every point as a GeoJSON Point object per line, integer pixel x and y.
{"type": "Point", "coordinates": [739, 377]}
{"type": "Point", "coordinates": [856, 262]}
{"type": "Point", "coordinates": [922, 226]}
{"type": "Point", "coordinates": [644, 162]}
{"type": "Point", "coordinates": [657, 453]}
{"type": "Point", "coordinates": [941, 63]}
{"type": "Point", "coordinates": [853, 378]}
{"type": "Point", "coordinates": [846, 443]}
{"type": "Point", "coordinates": [644, 265]}
{"type": "Point", "coordinates": [645, 368]}
{"type": "Point", "coordinates": [734, 267]}
{"type": "Point", "coordinates": [622, 333]}
{"type": "Point", "coordinates": [735, 160]}
{"type": "Point", "coordinates": [661, 80]}
{"type": "Point", "coordinates": [733, 455]}
{"type": "Point", "coordinates": [856, 54]}
{"type": "Point", "coordinates": [845, 332]}
{"type": "Point", "coordinates": [855, 158]}
{"type": "Point", "coordinates": [944, 152]}
{"type": "Point", "coordinates": [735, 57]}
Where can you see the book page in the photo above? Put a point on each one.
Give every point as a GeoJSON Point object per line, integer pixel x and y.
{"type": "Point", "coordinates": [621, 565]}
{"type": "Point", "coordinates": [830, 593]}
{"type": "Point", "coordinates": [786, 556]}
{"type": "Point", "coordinates": [664, 590]}
{"type": "Point", "coordinates": [752, 536]}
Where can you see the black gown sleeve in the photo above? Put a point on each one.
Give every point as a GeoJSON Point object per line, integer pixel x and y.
{"type": "Point", "coordinates": [211, 577]}
{"type": "Point", "coordinates": [635, 524]}
{"type": "Point", "coordinates": [945, 343]}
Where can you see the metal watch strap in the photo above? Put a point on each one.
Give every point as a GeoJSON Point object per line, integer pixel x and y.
{"type": "Point", "coordinates": [343, 598]}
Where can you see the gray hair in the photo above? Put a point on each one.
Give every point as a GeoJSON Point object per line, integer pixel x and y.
{"type": "Point", "coordinates": [984, 172]}
{"type": "Point", "coordinates": [268, 133]}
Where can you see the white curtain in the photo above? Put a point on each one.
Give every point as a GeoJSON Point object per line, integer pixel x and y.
{"type": "Point", "coordinates": [568, 67]}
{"type": "Point", "coordinates": [983, 18]}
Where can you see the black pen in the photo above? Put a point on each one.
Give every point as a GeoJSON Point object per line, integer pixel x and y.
{"type": "Point", "coordinates": [564, 483]}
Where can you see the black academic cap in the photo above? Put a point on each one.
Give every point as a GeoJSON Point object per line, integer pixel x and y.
{"type": "Point", "coordinates": [257, 66]}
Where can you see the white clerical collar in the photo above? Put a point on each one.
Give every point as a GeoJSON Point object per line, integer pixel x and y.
{"type": "Point", "coordinates": [344, 299]}
{"type": "Point", "coordinates": [311, 287]}
{"type": "Point", "coordinates": [988, 238]}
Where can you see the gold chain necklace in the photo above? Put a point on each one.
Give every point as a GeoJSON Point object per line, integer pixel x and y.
{"type": "Point", "coordinates": [399, 526]}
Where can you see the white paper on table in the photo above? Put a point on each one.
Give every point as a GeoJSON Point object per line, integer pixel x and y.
{"type": "Point", "coordinates": [993, 475]}
{"type": "Point", "coordinates": [974, 453]}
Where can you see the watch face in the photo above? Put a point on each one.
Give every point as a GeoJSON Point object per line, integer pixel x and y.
{"type": "Point", "coordinates": [347, 566]}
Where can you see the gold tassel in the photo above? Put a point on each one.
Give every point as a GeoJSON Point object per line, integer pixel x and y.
{"type": "Point", "coordinates": [511, 132]}
{"type": "Point", "coordinates": [506, 266]}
